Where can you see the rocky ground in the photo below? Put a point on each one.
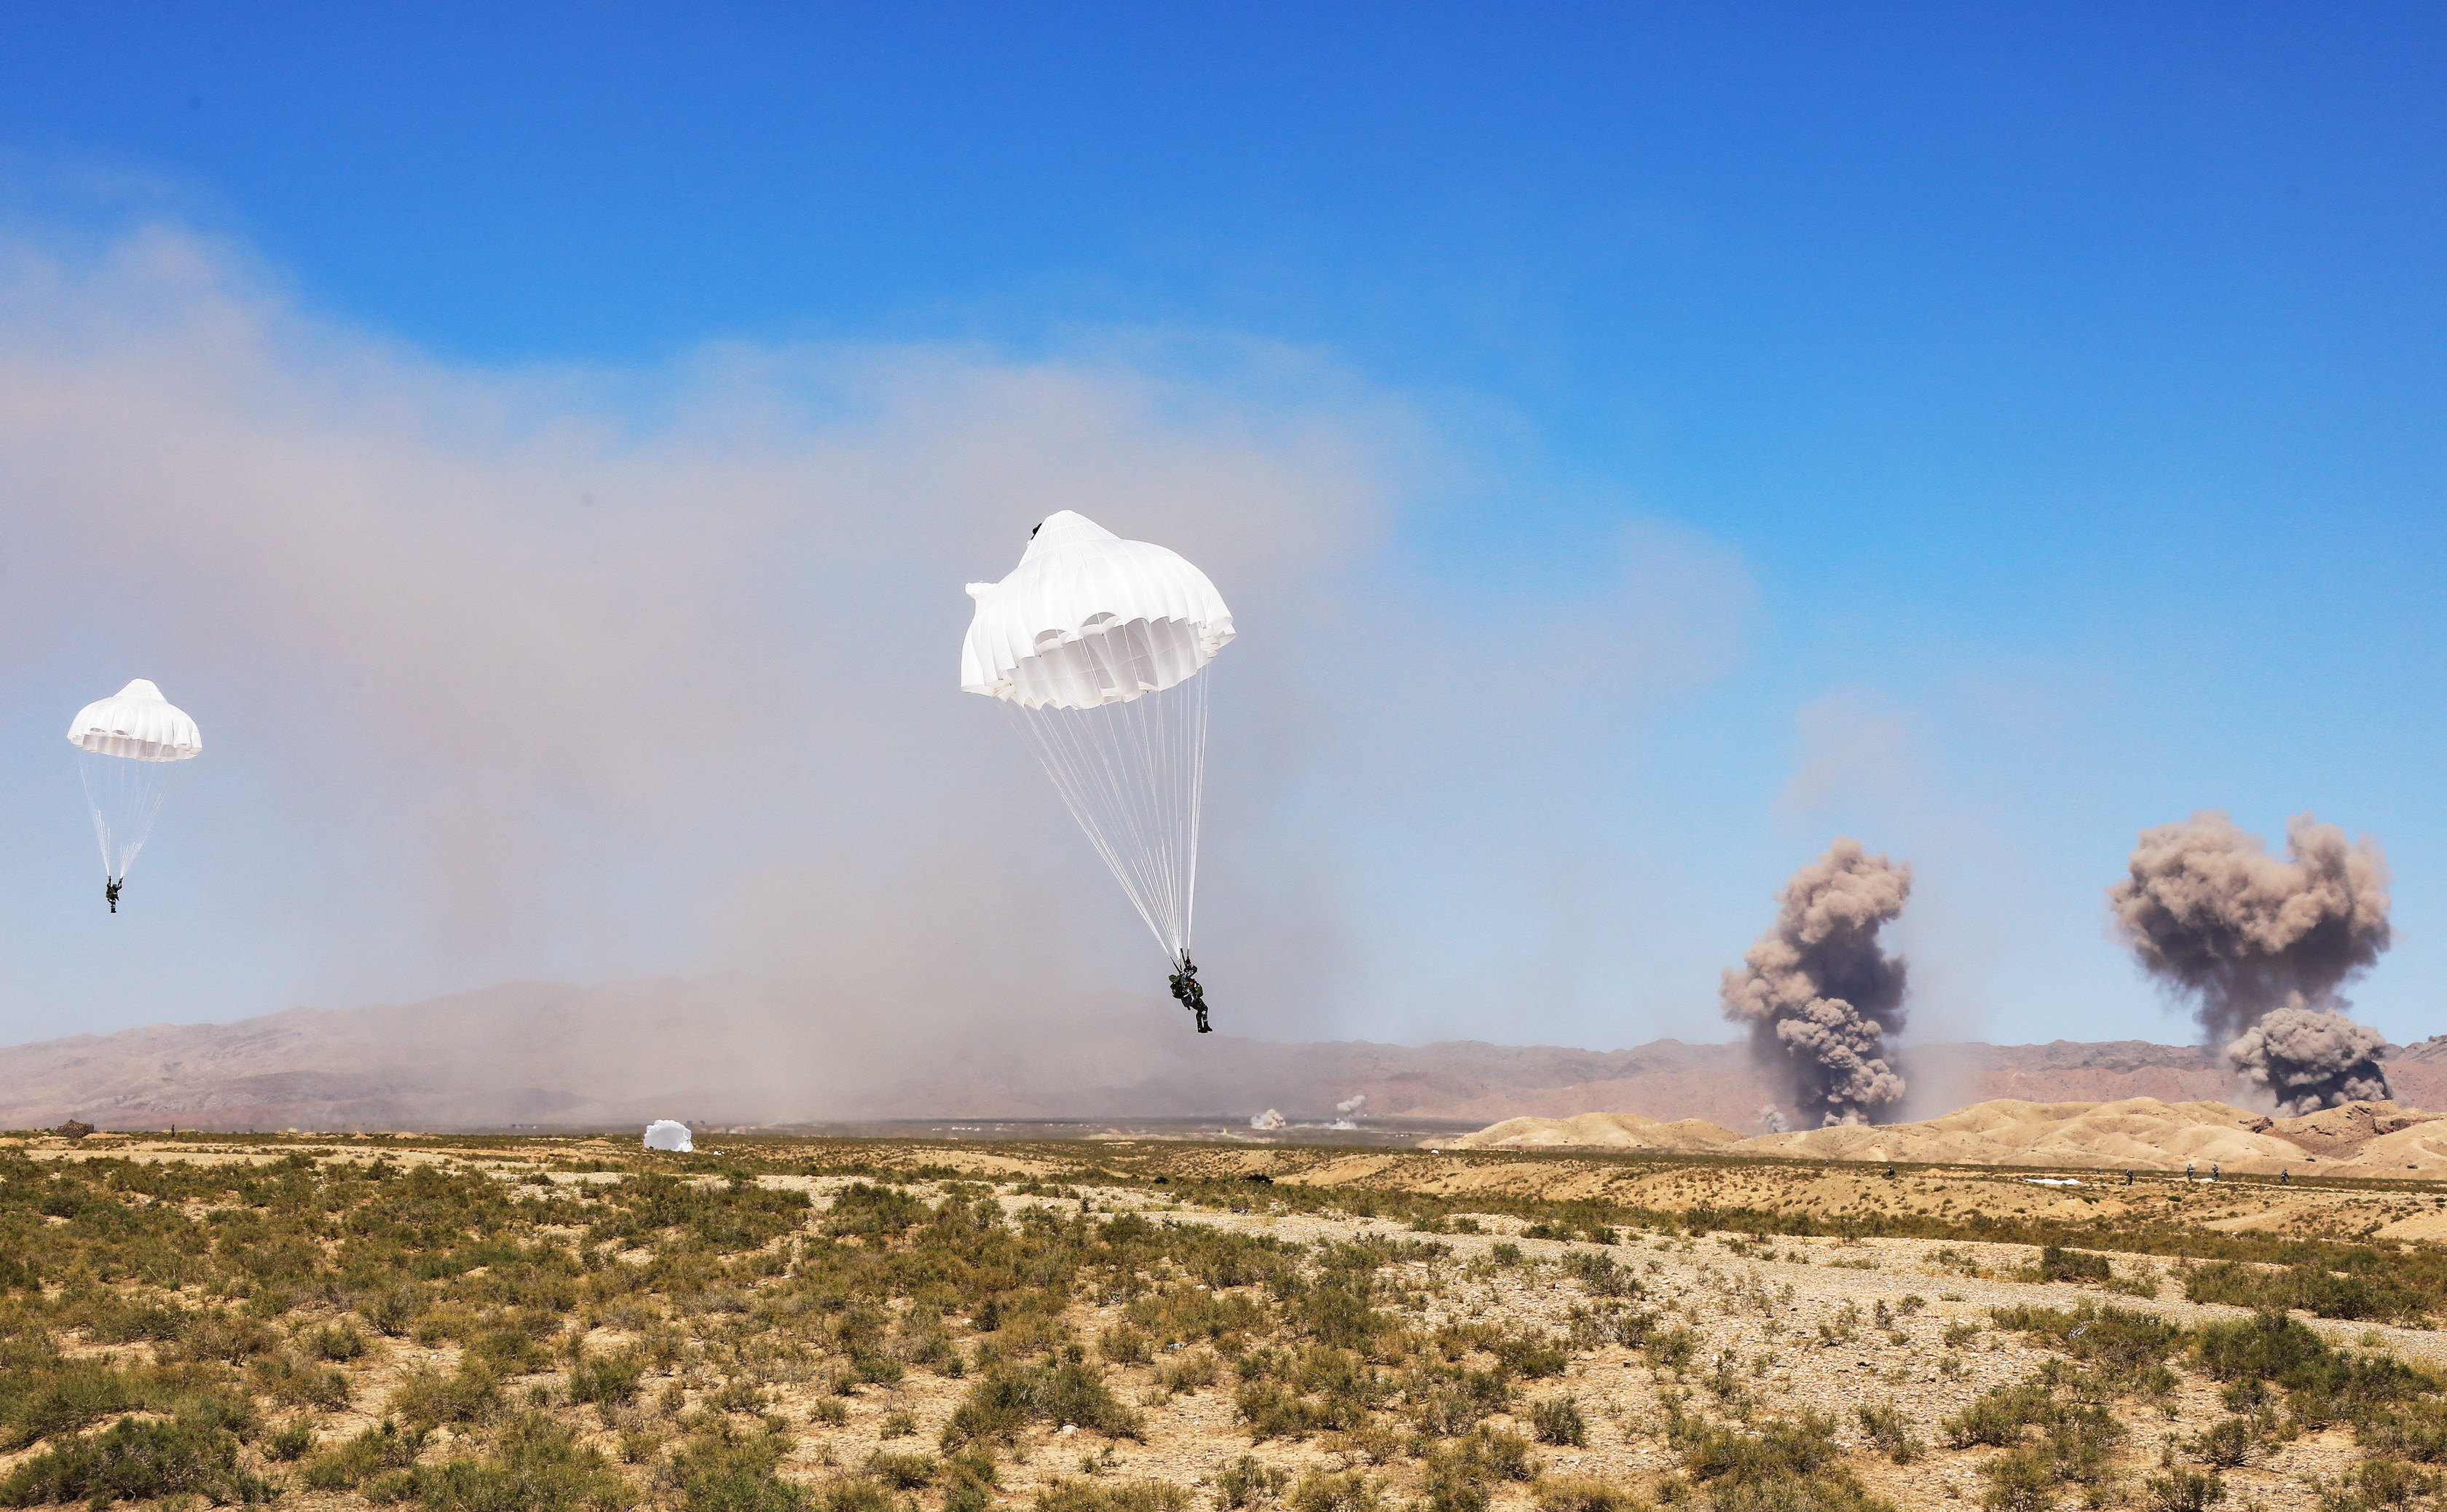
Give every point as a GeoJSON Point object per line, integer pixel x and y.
{"type": "Point", "coordinates": [1773, 1324]}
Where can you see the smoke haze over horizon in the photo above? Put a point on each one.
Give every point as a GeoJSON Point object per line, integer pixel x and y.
{"type": "Point", "coordinates": [552, 492]}
{"type": "Point", "coordinates": [587, 675]}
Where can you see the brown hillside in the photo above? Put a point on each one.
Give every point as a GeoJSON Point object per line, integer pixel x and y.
{"type": "Point", "coordinates": [737, 1052]}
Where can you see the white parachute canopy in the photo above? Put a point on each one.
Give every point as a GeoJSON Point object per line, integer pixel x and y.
{"type": "Point", "coordinates": [1094, 644]}
{"type": "Point", "coordinates": [663, 1134]}
{"type": "Point", "coordinates": [129, 746]}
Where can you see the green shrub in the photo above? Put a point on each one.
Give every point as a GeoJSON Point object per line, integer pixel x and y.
{"type": "Point", "coordinates": [997, 1406]}
{"type": "Point", "coordinates": [290, 1440]}
{"type": "Point", "coordinates": [2125, 1348]}
{"type": "Point", "coordinates": [2313, 1289]}
{"type": "Point", "coordinates": [612, 1380]}
{"type": "Point", "coordinates": [2416, 1430]}
{"type": "Point", "coordinates": [1558, 1421]}
{"type": "Point", "coordinates": [337, 1342]}
{"type": "Point", "coordinates": [1788, 1466]}
{"type": "Point", "coordinates": [2073, 1265]}
{"type": "Point", "coordinates": [1586, 1494]}
{"type": "Point", "coordinates": [1997, 1417]}
{"type": "Point", "coordinates": [723, 1470]}
{"type": "Point", "coordinates": [426, 1398]}
{"type": "Point", "coordinates": [2225, 1444]}
{"type": "Point", "coordinates": [1192, 1371]}
{"type": "Point", "coordinates": [1884, 1425]}
{"type": "Point", "coordinates": [220, 1335]}
{"type": "Point", "coordinates": [43, 1396]}
{"type": "Point", "coordinates": [2019, 1481]}
{"type": "Point", "coordinates": [2323, 1385]}
{"type": "Point", "coordinates": [1602, 1276]}
{"type": "Point", "coordinates": [2183, 1491]}
{"type": "Point", "coordinates": [286, 1378]}
{"type": "Point", "coordinates": [903, 1472]}
{"type": "Point", "coordinates": [1672, 1349]}
{"type": "Point", "coordinates": [968, 1482]}
{"type": "Point", "coordinates": [1124, 1345]}
{"type": "Point", "coordinates": [874, 1212]}
{"type": "Point", "coordinates": [1249, 1480]}
{"type": "Point", "coordinates": [345, 1467]}
{"type": "Point", "coordinates": [1125, 1496]}
{"type": "Point", "coordinates": [842, 1496]}
{"type": "Point", "coordinates": [1531, 1356]}
{"type": "Point", "coordinates": [1348, 1491]}
{"type": "Point", "coordinates": [2374, 1484]}
{"type": "Point", "coordinates": [134, 1459]}
{"type": "Point", "coordinates": [1788, 1446]}
{"type": "Point", "coordinates": [535, 1465]}
{"type": "Point", "coordinates": [1453, 1480]}
{"type": "Point", "coordinates": [391, 1311]}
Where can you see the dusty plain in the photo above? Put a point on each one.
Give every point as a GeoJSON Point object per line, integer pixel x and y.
{"type": "Point", "coordinates": [1150, 1326]}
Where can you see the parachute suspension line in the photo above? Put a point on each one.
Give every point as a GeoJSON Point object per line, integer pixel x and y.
{"type": "Point", "coordinates": [125, 796]}
{"type": "Point", "coordinates": [1133, 775]}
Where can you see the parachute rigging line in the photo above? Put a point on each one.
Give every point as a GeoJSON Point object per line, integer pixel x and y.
{"type": "Point", "coordinates": [1132, 774]}
{"type": "Point", "coordinates": [125, 798]}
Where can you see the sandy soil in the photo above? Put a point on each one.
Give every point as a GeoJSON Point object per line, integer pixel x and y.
{"type": "Point", "coordinates": [1759, 1306]}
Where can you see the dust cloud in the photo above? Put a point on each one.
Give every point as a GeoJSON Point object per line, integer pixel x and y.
{"type": "Point", "coordinates": [2260, 945]}
{"type": "Point", "coordinates": [1817, 994]}
{"type": "Point", "coordinates": [549, 673]}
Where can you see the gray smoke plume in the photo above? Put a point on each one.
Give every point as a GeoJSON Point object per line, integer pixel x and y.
{"type": "Point", "coordinates": [1817, 994]}
{"type": "Point", "coordinates": [2307, 1059]}
{"type": "Point", "coordinates": [2260, 945]}
{"type": "Point", "coordinates": [1771, 1118]}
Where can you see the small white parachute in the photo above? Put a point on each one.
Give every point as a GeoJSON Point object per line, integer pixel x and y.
{"type": "Point", "coordinates": [1095, 645]}
{"type": "Point", "coordinates": [663, 1134]}
{"type": "Point", "coordinates": [129, 746]}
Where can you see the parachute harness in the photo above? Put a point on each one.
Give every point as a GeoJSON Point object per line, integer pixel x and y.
{"type": "Point", "coordinates": [1186, 987]}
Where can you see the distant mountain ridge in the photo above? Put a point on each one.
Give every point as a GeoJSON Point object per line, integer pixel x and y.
{"type": "Point", "coordinates": [734, 1051]}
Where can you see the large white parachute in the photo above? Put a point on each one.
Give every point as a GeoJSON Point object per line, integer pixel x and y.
{"type": "Point", "coordinates": [1094, 644]}
{"type": "Point", "coordinates": [667, 1134]}
{"type": "Point", "coordinates": [129, 746]}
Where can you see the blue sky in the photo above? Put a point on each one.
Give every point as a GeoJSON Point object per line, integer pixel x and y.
{"type": "Point", "coordinates": [2022, 425]}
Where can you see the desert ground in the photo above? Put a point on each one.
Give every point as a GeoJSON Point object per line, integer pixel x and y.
{"type": "Point", "coordinates": [1152, 1326]}
{"type": "Point", "coordinates": [2378, 1138]}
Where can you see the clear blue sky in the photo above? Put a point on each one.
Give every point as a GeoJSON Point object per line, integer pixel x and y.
{"type": "Point", "coordinates": [2061, 387]}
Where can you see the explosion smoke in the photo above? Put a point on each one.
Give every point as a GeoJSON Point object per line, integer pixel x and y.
{"type": "Point", "coordinates": [2308, 1060]}
{"type": "Point", "coordinates": [1771, 1118]}
{"type": "Point", "coordinates": [1816, 993]}
{"type": "Point", "coordinates": [1349, 1106]}
{"type": "Point", "coordinates": [2261, 946]}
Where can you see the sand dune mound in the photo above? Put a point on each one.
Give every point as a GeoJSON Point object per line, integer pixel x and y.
{"type": "Point", "coordinates": [2138, 1133]}
{"type": "Point", "coordinates": [1619, 1131]}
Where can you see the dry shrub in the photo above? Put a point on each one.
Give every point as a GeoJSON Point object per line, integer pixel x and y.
{"type": "Point", "coordinates": [1586, 1494]}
